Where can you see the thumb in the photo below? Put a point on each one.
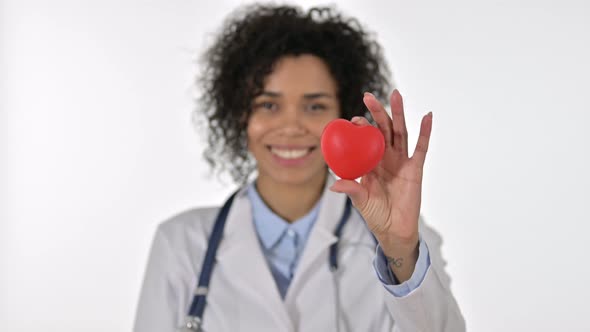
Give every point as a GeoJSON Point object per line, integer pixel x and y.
{"type": "Point", "coordinates": [357, 193]}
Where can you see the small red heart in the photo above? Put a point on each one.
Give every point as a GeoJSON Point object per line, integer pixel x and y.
{"type": "Point", "coordinates": [351, 150]}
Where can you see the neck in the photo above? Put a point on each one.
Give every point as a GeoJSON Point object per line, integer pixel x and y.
{"type": "Point", "coordinates": [290, 201]}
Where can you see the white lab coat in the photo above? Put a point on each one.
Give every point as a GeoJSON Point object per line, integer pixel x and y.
{"type": "Point", "coordinates": [243, 295]}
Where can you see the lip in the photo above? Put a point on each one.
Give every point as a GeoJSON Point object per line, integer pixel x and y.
{"type": "Point", "coordinates": [292, 162]}
{"type": "Point", "coordinates": [290, 146]}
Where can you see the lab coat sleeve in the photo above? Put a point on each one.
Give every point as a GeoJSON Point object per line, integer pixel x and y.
{"type": "Point", "coordinates": [388, 279]}
{"type": "Point", "coordinates": [431, 305]}
{"type": "Point", "coordinates": [158, 300]}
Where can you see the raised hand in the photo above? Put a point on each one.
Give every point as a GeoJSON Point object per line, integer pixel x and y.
{"type": "Point", "coordinates": [389, 197]}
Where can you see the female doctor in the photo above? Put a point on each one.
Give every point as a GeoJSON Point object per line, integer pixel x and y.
{"type": "Point", "coordinates": [288, 251]}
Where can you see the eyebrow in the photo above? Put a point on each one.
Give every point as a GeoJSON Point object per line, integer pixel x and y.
{"type": "Point", "coordinates": [314, 95]}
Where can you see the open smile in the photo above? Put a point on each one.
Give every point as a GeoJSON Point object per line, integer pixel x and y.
{"type": "Point", "coordinates": [290, 155]}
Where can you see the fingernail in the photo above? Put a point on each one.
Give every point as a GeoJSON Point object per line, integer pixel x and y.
{"type": "Point", "coordinates": [332, 188]}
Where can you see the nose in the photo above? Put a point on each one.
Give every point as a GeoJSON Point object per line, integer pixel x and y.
{"type": "Point", "coordinates": [292, 123]}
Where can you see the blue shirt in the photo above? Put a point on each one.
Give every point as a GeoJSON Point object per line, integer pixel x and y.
{"type": "Point", "coordinates": [283, 243]}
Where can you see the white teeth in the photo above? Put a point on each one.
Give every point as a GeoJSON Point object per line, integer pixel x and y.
{"type": "Point", "coordinates": [289, 154]}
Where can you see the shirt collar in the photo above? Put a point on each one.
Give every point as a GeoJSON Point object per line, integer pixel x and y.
{"type": "Point", "coordinates": [270, 227]}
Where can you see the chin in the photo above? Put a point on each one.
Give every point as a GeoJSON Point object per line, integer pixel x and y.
{"type": "Point", "coordinates": [297, 177]}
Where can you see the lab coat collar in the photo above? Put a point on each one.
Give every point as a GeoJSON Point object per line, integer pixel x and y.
{"type": "Point", "coordinates": [241, 255]}
{"type": "Point", "coordinates": [321, 237]}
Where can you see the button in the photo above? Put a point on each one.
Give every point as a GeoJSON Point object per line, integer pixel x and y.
{"type": "Point", "coordinates": [291, 233]}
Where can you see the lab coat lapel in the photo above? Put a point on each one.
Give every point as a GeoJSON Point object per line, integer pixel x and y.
{"type": "Point", "coordinates": [321, 236]}
{"type": "Point", "coordinates": [241, 255]}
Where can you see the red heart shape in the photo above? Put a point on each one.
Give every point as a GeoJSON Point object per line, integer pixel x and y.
{"type": "Point", "coordinates": [351, 150]}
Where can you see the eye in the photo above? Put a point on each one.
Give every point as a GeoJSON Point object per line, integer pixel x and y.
{"type": "Point", "coordinates": [266, 106]}
{"type": "Point", "coordinates": [316, 107]}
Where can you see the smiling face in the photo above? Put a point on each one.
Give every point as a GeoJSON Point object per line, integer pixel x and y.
{"type": "Point", "coordinates": [299, 98]}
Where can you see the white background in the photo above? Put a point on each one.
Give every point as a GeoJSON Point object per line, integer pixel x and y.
{"type": "Point", "coordinates": [97, 148]}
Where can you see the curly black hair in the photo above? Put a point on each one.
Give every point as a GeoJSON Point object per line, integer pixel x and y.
{"type": "Point", "coordinates": [251, 41]}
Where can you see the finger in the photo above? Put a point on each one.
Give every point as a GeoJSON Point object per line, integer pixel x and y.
{"type": "Point", "coordinates": [357, 193]}
{"type": "Point", "coordinates": [400, 132]}
{"type": "Point", "coordinates": [380, 116]}
{"type": "Point", "coordinates": [360, 121]}
{"type": "Point", "coordinates": [423, 139]}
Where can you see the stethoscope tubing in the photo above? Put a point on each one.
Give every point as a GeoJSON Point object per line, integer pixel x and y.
{"type": "Point", "coordinates": [194, 318]}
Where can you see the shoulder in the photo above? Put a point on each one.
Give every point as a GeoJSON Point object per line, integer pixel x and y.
{"type": "Point", "coordinates": [189, 218]}
{"type": "Point", "coordinates": [429, 234]}
{"type": "Point", "coordinates": [187, 226]}
{"type": "Point", "coordinates": [434, 242]}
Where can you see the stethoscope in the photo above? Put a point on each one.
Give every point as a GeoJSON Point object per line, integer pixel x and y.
{"type": "Point", "coordinates": [194, 318]}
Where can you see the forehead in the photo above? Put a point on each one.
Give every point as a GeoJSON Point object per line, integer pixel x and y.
{"type": "Point", "coordinates": [299, 75]}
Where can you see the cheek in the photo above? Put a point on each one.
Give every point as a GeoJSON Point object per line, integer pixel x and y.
{"type": "Point", "coordinates": [320, 125]}
{"type": "Point", "coordinates": [250, 136]}
{"type": "Point", "coordinates": [254, 130]}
